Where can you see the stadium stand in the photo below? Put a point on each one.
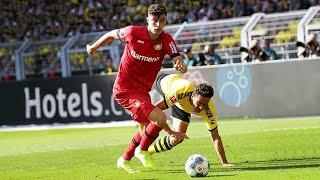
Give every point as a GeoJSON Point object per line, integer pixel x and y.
{"type": "Point", "coordinates": [280, 30]}
{"type": "Point", "coordinates": [42, 19]}
{"type": "Point", "coordinates": [7, 66]}
{"type": "Point", "coordinates": [82, 64]}
{"type": "Point", "coordinates": [59, 31]}
{"type": "Point", "coordinates": [41, 58]}
{"type": "Point", "coordinates": [224, 35]}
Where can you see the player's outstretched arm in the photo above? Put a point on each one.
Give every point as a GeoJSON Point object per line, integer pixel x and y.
{"type": "Point", "coordinates": [179, 64]}
{"type": "Point", "coordinates": [103, 40]}
{"type": "Point", "coordinates": [218, 146]}
{"type": "Point", "coordinates": [158, 117]}
{"type": "Point", "coordinates": [162, 105]}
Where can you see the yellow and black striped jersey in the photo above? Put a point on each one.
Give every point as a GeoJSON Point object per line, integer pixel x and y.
{"type": "Point", "coordinates": [178, 91]}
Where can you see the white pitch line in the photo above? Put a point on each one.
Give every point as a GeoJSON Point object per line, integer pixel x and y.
{"type": "Point", "coordinates": [34, 127]}
{"type": "Point", "coordinates": [67, 126]}
{"type": "Point", "coordinates": [192, 137]}
{"type": "Point", "coordinates": [259, 131]}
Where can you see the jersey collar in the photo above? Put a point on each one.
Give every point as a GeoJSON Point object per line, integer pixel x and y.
{"type": "Point", "coordinates": [150, 36]}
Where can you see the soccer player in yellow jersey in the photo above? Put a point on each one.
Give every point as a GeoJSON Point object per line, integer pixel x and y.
{"type": "Point", "coordinates": [186, 97]}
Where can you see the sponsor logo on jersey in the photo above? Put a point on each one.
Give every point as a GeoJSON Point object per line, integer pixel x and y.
{"type": "Point", "coordinates": [208, 112]}
{"type": "Point", "coordinates": [140, 41]}
{"type": "Point", "coordinates": [183, 95]}
{"type": "Point", "coordinates": [143, 58]}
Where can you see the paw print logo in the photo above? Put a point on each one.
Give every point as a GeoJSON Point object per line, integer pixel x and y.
{"type": "Point", "coordinates": [234, 84]}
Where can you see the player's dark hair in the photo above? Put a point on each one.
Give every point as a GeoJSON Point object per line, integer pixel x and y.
{"type": "Point", "coordinates": [204, 90]}
{"type": "Point", "coordinates": [157, 9]}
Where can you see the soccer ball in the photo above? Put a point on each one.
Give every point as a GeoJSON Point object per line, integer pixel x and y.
{"type": "Point", "coordinates": [197, 166]}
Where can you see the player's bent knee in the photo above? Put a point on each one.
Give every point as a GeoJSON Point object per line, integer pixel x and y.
{"type": "Point", "coordinates": [157, 116]}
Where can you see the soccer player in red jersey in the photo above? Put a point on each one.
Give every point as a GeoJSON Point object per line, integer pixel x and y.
{"type": "Point", "coordinates": [145, 48]}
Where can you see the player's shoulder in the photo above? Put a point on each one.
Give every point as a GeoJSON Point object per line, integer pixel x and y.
{"type": "Point", "coordinates": [136, 30]}
{"type": "Point", "coordinates": [136, 27]}
{"type": "Point", "coordinates": [166, 36]}
{"type": "Point", "coordinates": [177, 76]}
{"type": "Point", "coordinates": [183, 83]}
{"type": "Point", "coordinates": [174, 77]}
{"type": "Point", "coordinates": [191, 85]}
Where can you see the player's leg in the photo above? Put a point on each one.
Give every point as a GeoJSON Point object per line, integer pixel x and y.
{"type": "Point", "coordinates": [150, 134]}
{"type": "Point", "coordinates": [181, 121]}
{"type": "Point", "coordinates": [124, 161]}
{"type": "Point", "coordinates": [135, 142]}
{"type": "Point", "coordinates": [167, 142]}
{"type": "Point", "coordinates": [140, 106]}
{"type": "Point", "coordinates": [152, 130]}
{"type": "Point", "coordinates": [156, 116]}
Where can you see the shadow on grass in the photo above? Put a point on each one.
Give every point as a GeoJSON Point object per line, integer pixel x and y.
{"type": "Point", "coordinates": [261, 165]}
{"type": "Point", "coordinates": [181, 171]}
{"type": "Point", "coordinates": [272, 164]}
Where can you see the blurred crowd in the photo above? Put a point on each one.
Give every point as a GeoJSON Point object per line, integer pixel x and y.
{"type": "Point", "coordinates": [47, 19]}
{"type": "Point", "coordinates": [310, 48]}
{"type": "Point", "coordinates": [254, 53]}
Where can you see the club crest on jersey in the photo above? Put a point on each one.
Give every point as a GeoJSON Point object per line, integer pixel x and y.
{"type": "Point", "coordinates": [173, 99]}
{"type": "Point", "coordinates": [137, 104]}
{"type": "Point", "coordinates": [157, 47]}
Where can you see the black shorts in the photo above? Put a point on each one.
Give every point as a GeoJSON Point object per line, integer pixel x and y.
{"type": "Point", "coordinates": [180, 114]}
{"type": "Point", "coordinates": [175, 111]}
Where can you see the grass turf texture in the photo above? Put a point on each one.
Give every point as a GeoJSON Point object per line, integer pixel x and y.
{"type": "Point", "coordinates": [259, 149]}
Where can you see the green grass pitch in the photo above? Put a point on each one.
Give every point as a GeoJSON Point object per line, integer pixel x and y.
{"type": "Point", "coordinates": [259, 149]}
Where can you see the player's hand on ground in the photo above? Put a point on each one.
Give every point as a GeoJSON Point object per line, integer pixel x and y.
{"type": "Point", "coordinates": [179, 135]}
{"type": "Point", "coordinates": [228, 165]}
{"type": "Point", "coordinates": [90, 50]}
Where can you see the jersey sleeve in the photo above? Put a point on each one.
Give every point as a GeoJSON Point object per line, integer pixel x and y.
{"type": "Point", "coordinates": [171, 47]}
{"type": "Point", "coordinates": [209, 115]}
{"type": "Point", "coordinates": [124, 34]}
